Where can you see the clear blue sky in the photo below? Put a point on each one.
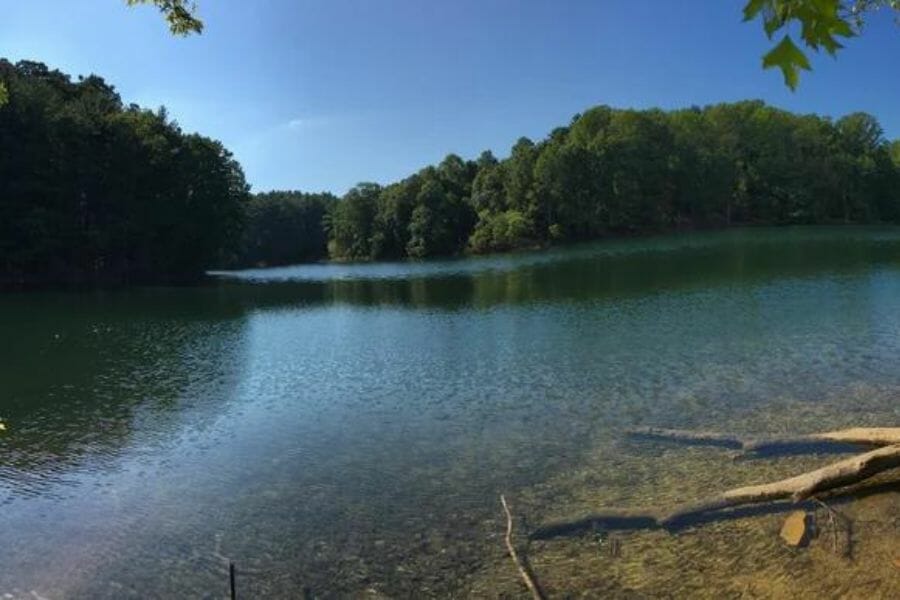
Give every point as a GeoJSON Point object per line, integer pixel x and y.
{"type": "Point", "coordinates": [321, 94]}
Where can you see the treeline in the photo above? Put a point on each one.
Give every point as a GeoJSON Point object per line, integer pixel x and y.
{"type": "Point", "coordinates": [94, 191]}
{"type": "Point", "coordinates": [283, 228]}
{"type": "Point", "coordinates": [619, 172]}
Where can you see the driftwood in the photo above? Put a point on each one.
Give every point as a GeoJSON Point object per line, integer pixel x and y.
{"type": "Point", "coordinates": [794, 489]}
{"type": "Point", "coordinates": [524, 572]}
{"type": "Point", "coordinates": [859, 436]}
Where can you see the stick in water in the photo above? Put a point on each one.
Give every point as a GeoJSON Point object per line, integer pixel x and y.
{"type": "Point", "coordinates": [526, 576]}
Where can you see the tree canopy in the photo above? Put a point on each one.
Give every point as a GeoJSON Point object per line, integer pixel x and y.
{"type": "Point", "coordinates": [99, 191]}
{"type": "Point", "coordinates": [283, 228]}
{"type": "Point", "coordinates": [621, 172]}
{"type": "Point", "coordinates": [92, 190]}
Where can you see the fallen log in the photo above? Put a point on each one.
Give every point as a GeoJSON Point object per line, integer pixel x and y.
{"type": "Point", "coordinates": [795, 489]}
{"type": "Point", "coordinates": [855, 436]}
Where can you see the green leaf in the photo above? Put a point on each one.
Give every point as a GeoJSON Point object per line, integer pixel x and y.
{"type": "Point", "coordinates": [4, 94]}
{"type": "Point", "coordinates": [772, 24]}
{"type": "Point", "coordinates": [789, 58]}
{"type": "Point", "coordinates": [753, 8]}
{"type": "Point", "coordinates": [843, 28]}
{"type": "Point", "coordinates": [180, 14]}
{"type": "Point", "coordinates": [831, 45]}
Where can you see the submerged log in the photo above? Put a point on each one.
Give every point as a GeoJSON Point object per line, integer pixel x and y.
{"type": "Point", "coordinates": [795, 489]}
{"type": "Point", "coordinates": [859, 436]}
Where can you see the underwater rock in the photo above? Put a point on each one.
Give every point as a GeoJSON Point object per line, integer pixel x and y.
{"type": "Point", "coordinates": [797, 529]}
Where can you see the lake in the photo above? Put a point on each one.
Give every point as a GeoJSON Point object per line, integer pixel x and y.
{"type": "Point", "coordinates": [346, 430]}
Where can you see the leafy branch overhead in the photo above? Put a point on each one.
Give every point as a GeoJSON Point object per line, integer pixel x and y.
{"type": "Point", "coordinates": [180, 14]}
{"type": "Point", "coordinates": [823, 24]}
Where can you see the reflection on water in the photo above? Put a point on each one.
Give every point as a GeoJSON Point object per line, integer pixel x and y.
{"type": "Point", "coordinates": [582, 273]}
{"type": "Point", "coordinates": [346, 429]}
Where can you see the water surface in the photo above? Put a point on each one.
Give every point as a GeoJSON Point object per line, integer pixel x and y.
{"type": "Point", "coordinates": [345, 430]}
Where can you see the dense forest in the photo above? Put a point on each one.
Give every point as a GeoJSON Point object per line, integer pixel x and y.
{"type": "Point", "coordinates": [92, 190]}
{"type": "Point", "coordinates": [623, 172]}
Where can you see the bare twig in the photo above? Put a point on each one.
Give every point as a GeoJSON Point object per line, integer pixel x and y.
{"type": "Point", "coordinates": [831, 521]}
{"type": "Point", "coordinates": [530, 583]}
{"type": "Point", "coordinates": [834, 517]}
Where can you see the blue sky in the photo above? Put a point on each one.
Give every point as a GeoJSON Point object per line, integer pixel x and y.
{"type": "Point", "coordinates": [321, 94]}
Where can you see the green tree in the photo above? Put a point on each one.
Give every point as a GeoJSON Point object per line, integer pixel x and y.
{"type": "Point", "coordinates": [284, 228]}
{"type": "Point", "coordinates": [392, 217]}
{"type": "Point", "coordinates": [489, 185]}
{"type": "Point", "coordinates": [351, 223]}
{"type": "Point", "coordinates": [442, 219]}
{"type": "Point", "coordinates": [860, 140]}
{"type": "Point", "coordinates": [92, 191]}
{"type": "Point", "coordinates": [571, 188]}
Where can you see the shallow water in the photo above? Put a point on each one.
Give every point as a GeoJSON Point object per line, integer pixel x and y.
{"type": "Point", "coordinates": [346, 430]}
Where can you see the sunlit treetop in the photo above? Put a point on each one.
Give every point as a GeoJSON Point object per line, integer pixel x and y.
{"type": "Point", "coordinates": [822, 24]}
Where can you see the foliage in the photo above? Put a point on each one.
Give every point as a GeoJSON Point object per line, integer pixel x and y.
{"type": "Point", "coordinates": [92, 190]}
{"type": "Point", "coordinates": [351, 223]}
{"type": "Point", "coordinates": [95, 191]}
{"type": "Point", "coordinates": [822, 24]}
{"type": "Point", "coordinates": [181, 15]}
{"type": "Point", "coordinates": [428, 214]}
{"type": "Point", "coordinates": [283, 228]}
{"type": "Point", "coordinates": [614, 172]}
{"type": "Point", "coordinates": [501, 231]}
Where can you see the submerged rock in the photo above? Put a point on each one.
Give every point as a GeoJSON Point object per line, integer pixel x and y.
{"type": "Point", "coordinates": [797, 529]}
